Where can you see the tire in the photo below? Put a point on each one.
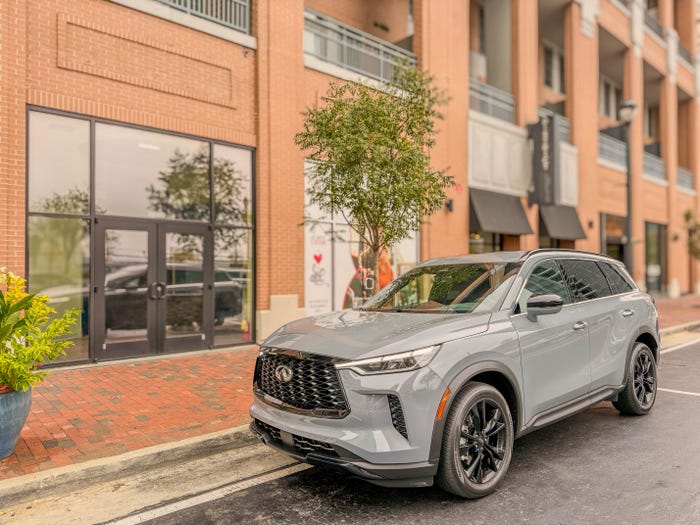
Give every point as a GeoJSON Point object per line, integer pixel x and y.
{"type": "Point", "coordinates": [639, 394]}
{"type": "Point", "coordinates": [473, 467]}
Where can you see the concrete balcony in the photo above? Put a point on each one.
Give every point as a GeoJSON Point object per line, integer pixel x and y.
{"type": "Point", "coordinates": [491, 101]}
{"type": "Point", "coordinates": [346, 47]}
{"type": "Point", "coordinates": [654, 166]}
{"type": "Point", "coordinates": [612, 151]}
{"type": "Point", "coordinates": [499, 156]}
{"type": "Point", "coordinates": [685, 179]}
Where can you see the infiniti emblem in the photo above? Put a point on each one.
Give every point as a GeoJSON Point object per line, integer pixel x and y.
{"type": "Point", "coordinates": [283, 373]}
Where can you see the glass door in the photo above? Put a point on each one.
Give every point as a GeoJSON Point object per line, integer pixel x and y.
{"type": "Point", "coordinates": [125, 289]}
{"type": "Point", "coordinates": [153, 289]}
{"type": "Point", "coordinates": [185, 271]}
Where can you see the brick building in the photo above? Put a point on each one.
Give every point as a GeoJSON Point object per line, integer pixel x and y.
{"type": "Point", "coordinates": [149, 178]}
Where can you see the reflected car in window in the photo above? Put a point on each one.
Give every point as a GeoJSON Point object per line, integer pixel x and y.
{"type": "Point", "coordinates": [433, 378]}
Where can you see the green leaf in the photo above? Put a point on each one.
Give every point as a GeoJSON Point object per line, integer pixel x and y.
{"type": "Point", "coordinates": [21, 304]}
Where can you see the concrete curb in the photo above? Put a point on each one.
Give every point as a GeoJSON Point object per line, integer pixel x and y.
{"type": "Point", "coordinates": [74, 477]}
{"type": "Point", "coordinates": [679, 328]}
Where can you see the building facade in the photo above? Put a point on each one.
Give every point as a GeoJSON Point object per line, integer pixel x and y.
{"type": "Point", "coordinates": [149, 176]}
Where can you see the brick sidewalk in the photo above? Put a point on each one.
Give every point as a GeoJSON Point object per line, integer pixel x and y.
{"type": "Point", "coordinates": [100, 411]}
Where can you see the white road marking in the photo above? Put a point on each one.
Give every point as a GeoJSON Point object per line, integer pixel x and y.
{"type": "Point", "coordinates": [678, 392]}
{"type": "Point", "coordinates": [680, 346]}
{"type": "Point", "coordinates": [209, 496]}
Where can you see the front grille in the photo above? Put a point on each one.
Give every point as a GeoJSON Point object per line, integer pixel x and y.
{"type": "Point", "coordinates": [311, 445]}
{"type": "Point", "coordinates": [301, 445]}
{"type": "Point", "coordinates": [397, 418]}
{"type": "Point", "coordinates": [274, 432]}
{"type": "Point", "coordinates": [314, 384]}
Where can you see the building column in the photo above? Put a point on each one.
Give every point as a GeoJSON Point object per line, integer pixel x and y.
{"type": "Point", "coordinates": [279, 164]}
{"type": "Point", "coordinates": [441, 43]}
{"type": "Point", "coordinates": [633, 89]}
{"type": "Point", "coordinates": [694, 138]}
{"type": "Point", "coordinates": [581, 56]}
{"type": "Point", "coordinates": [13, 60]}
{"type": "Point", "coordinates": [525, 83]}
{"type": "Point", "coordinates": [677, 253]}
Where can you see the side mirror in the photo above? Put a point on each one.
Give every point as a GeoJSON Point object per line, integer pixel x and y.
{"type": "Point", "coordinates": [543, 304]}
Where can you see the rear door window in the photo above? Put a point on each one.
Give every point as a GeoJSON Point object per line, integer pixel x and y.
{"type": "Point", "coordinates": [585, 279]}
{"type": "Point", "coordinates": [617, 281]}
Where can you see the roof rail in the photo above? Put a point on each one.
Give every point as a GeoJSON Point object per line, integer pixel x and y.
{"type": "Point", "coordinates": [529, 253]}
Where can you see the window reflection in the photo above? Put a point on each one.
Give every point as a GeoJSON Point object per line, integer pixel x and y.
{"type": "Point", "coordinates": [233, 282]}
{"type": "Point", "coordinates": [59, 267]}
{"type": "Point", "coordinates": [233, 185]}
{"type": "Point", "coordinates": [59, 164]}
{"type": "Point", "coordinates": [141, 173]}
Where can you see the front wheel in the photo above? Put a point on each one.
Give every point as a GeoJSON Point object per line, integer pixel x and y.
{"type": "Point", "coordinates": [477, 444]}
{"type": "Point", "coordinates": [639, 394]}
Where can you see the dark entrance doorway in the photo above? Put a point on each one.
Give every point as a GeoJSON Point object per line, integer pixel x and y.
{"type": "Point", "coordinates": [154, 288]}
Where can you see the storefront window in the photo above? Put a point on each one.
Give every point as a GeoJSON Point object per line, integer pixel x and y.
{"type": "Point", "coordinates": [233, 183]}
{"type": "Point", "coordinates": [613, 233]}
{"type": "Point", "coordinates": [233, 285]}
{"type": "Point", "coordinates": [485, 242]}
{"type": "Point", "coordinates": [59, 164]}
{"type": "Point", "coordinates": [655, 252]}
{"type": "Point", "coordinates": [59, 266]}
{"type": "Point", "coordinates": [141, 173]}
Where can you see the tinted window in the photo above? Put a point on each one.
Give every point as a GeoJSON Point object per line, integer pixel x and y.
{"type": "Point", "coordinates": [618, 283]}
{"type": "Point", "coordinates": [546, 278]}
{"type": "Point", "coordinates": [586, 279]}
{"type": "Point", "coordinates": [461, 288]}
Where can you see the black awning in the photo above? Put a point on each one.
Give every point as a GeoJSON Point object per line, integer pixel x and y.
{"type": "Point", "coordinates": [562, 222]}
{"type": "Point", "coordinates": [497, 213]}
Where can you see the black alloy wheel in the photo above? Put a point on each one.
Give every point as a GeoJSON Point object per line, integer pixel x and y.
{"type": "Point", "coordinates": [639, 394]}
{"type": "Point", "coordinates": [477, 442]}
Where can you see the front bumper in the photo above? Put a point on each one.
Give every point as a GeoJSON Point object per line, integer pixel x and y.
{"type": "Point", "coordinates": [387, 475]}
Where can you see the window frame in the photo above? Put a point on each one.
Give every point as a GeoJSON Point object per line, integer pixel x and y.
{"type": "Point", "coordinates": [574, 296]}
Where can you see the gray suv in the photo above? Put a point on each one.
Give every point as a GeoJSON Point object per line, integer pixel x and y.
{"type": "Point", "coordinates": [434, 377]}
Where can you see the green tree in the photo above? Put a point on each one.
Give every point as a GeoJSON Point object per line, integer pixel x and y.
{"type": "Point", "coordinates": [693, 234]}
{"type": "Point", "coordinates": [370, 146]}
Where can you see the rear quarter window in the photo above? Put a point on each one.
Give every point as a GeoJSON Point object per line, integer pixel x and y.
{"type": "Point", "coordinates": [618, 282]}
{"type": "Point", "coordinates": [585, 279]}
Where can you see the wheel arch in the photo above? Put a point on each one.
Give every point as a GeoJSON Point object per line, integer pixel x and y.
{"type": "Point", "coordinates": [648, 339]}
{"type": "Point", "coordinates": [492, 373]}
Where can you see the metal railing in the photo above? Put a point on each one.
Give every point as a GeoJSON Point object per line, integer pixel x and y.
{"type": "Point", "coordinates": [654, 166]}
{"type": "Point", "coordinates": [563, 124]}
{"type": "Point", "coordinates": [685, 179]}
{"type": "Point", "coordinates": [685, 54]}
{"type": "Point", "coordinates": [652, 22]}
{"type": "Point", "coordinates": [612, 149]}
{"type": "Point", "coordinates": [232, 13]}
{"type": "Point", "coordinates": [491, 101]}
{"type": "Point", "coordinates": [350, 48]}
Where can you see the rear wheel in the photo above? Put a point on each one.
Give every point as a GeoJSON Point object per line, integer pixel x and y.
{"type": "Point", "coordinates": [477, 444]}
{"type": "Point", "coordinates": [639, 394]}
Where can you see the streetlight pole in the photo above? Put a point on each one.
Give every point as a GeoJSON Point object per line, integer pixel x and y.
{"type": "Point", "coordinates": [626, 113]}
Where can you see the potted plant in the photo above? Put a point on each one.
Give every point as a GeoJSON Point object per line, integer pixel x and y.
{"type": "Point", "coordinates": [28, 338]}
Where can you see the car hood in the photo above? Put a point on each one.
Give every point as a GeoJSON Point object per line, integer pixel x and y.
{"type": "Point", "coordinates": [354, 334]}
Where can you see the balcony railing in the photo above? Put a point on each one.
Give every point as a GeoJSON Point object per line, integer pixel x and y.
{"type": "Point", "coordinates": [612, 149]}
{"type": "Point", "coordinates": [350, 48]}
{"type": "Point", "coordinates": [491, 101]}
{"type": "Point", "coordinates": [652, 23]}
{"type": "Point", "coordinates": [685, 54]}
{"type": "Point", "coordinates": [563, 125]}
{"type": "Point", "coordinates": [685, 178]}
{"type": "Point", "coordinates": [232, 13]}
{"type": "Point", "coordinates": [654, 166]}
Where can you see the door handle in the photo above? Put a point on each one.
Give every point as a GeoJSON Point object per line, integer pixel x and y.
{"type": "Point", "coordinates": [161, 289]}
{"type": "Point", "coordinates": [580, 325]}
{"type": "Point", "coordinates": [627, 313]}
{"type": "Point", "coordinates": [153, 291]}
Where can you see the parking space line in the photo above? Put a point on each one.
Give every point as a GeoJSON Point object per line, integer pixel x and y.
{"type": "Point", "coordinates": [680, 346]}
{"type": "Point", "coordinates": [679, 392]}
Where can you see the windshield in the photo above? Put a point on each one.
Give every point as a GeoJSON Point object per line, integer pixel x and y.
{"type": "Point", "coordinates": [460, 288]}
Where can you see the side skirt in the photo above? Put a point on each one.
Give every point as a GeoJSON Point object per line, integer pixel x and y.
{"type": "Point", "coordinates": [569, 408]}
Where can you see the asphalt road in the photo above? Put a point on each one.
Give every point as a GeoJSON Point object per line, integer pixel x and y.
{"type": "Point", "coordinates": [596, 467]}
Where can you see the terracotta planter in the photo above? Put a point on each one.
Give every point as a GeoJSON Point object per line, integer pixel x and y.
{"type": "Point", "coordinates": [14, 409]}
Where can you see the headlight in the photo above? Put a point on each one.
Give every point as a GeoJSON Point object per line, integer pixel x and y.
{"type": "Point", "coordinates": [402, 362]}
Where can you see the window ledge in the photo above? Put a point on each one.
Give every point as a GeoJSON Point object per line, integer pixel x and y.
{"type": "Point", "coordinates": [160, 10]}
{"type": "Point", "coordinates": [655, 180]}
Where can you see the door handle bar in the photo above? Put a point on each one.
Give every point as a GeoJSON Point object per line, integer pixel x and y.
{"type": "Point", "coordinates": [627, 313]}
{"type": "Point", "coordinates": [580, 325]}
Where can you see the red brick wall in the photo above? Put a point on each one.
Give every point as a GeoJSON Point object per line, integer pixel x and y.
{"type": "Point", "coordinates": [12, 125]}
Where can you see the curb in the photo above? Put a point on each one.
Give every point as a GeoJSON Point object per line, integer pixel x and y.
{"type": "Point", "coordinates": [74, 477]}
{"type": "Point", "coordinates": [679, 328]}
